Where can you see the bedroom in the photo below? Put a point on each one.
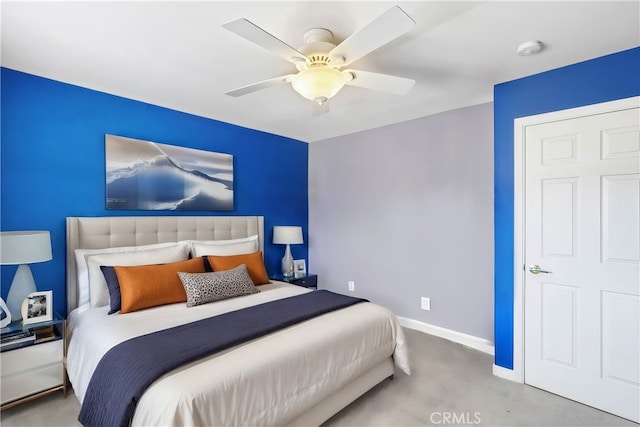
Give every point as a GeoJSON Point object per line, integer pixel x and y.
{"type": "Point", "coordinates": [53, 167]}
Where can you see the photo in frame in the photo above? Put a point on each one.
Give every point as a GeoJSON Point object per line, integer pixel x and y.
{"type": "Point", "coordinates": [299, 268]}
{"type": "Point", "coordinates": [37, 307]}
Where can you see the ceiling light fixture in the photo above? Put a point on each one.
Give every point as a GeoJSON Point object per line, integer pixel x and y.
{"type": "Point", "coordinates": [529, 48]}
{"type": "Point", "coordinates": [319, 61]}
{"type": "Point", "coordinates": [319, 78]}
{"type": "Point", "coordinates": [318, 83]}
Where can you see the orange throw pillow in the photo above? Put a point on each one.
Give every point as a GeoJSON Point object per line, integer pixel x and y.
{"type": "Point", "coordinates": [254, 263]}
{"type": "Point", "coordinates": [148, 286]}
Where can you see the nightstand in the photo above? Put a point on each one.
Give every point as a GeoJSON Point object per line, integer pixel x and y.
{"type": "Point", "coordinates": [308, 281]}
{"type": "Point", "coordinates": [34, 365]}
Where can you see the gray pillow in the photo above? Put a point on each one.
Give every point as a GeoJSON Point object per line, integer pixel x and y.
{"type": "Point", "coordinates": [202, 288]}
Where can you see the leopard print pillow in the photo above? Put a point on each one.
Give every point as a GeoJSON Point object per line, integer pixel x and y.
{"type": "Point", "coordinates": [202, 288]}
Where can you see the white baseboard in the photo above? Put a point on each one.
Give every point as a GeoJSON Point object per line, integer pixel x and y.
{"type": "Point", "coordinates": [507, 374]}
{"type": "Point", "coordinates": [477, 343]}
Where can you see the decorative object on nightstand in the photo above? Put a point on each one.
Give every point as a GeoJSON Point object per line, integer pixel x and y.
{"type": "Point", "coordinates": [299, 268]}
{"type": "Point", "coordinates": [37, 307]}
{"type": "Point", "coordinates": [23, 248]}
{"type": "Point", "coordinates": [32, 359]}
{"type": "Point", "coordinates": [287, 235]}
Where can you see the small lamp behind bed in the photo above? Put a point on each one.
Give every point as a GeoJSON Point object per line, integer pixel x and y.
{"type": "Point", "coordinates": [287, 235]}
{"type": "Point", "coordinates": [23, 248]}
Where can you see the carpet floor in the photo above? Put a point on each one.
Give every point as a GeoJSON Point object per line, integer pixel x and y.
{"type": "Point", "coordinates": [450, 385]}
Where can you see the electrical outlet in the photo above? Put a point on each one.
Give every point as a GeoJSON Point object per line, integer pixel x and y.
{"type": "Point", "coordinates": [425, 303]}
{"type": "Point", "coordinates": [352, 285]}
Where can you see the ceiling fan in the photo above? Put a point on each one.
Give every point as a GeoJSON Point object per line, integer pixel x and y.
{"type": "Point", "coordinates": [319, 62]}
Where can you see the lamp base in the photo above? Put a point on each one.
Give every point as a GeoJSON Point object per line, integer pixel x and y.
{"type": "Point", "coordinates": [5, 314]}
{"type": "Point", "coordinates": [21, 286]}
{"type": "Point", "coordinates": [286, 265]}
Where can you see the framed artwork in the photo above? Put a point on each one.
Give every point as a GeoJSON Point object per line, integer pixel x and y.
{"type": "Point", "coordinates": [37, 307]}
{"type": "Point", "coordinates": [299, 268]}
{"type": "Point", "coordinates": [145, 175]}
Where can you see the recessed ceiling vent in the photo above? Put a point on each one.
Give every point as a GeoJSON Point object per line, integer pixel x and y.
{"type": "Point", "coordinates": [529, 48]}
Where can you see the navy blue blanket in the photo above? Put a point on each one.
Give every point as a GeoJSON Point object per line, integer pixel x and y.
{"type": "Point", "coordinates": [125, 371]}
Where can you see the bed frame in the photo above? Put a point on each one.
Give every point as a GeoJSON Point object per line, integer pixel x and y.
{"type": "Point", "coordinates": [107, 232]}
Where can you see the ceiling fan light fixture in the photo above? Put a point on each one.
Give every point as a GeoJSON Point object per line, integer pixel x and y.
{"type": "Point", "coordinates": [318, 83]}
{"type": "Point", "coordinates": [319, 60]}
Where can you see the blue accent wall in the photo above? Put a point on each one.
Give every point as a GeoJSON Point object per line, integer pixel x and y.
{"type": "Point", "coordinates": [52, 165]}
{"type": "Point", "coordinates": [607, 78]}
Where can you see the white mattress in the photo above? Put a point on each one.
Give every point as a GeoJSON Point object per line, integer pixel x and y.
{"type": "Point", "coordinates": [271, 380]}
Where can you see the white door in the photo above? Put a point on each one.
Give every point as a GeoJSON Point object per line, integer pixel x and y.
{"type": "Point", "coordinates": [582, 228]}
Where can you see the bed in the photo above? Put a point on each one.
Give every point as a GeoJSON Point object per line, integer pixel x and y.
{"type": "Point", "coordinates": [300, 375]}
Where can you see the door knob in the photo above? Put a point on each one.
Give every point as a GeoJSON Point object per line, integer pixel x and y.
{"type": "Point", "coordinates": [535, 269]}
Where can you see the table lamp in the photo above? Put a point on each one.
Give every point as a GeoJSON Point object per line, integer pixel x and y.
{"type": "Point", "coordinates": [22, 248]}
{"type": "Point", "coordinates": [287, 235]}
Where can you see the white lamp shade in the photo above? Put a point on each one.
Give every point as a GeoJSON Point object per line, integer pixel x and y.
{"type": "Point", "coordinates": [284, 234]}
{"type": "Point", "coordinates": [24, 247]}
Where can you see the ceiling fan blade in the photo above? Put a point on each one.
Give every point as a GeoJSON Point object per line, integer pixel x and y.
{"type": "Point", "coordinates": [257, 35]}
{"type": "Point", "coordinates": [259, 86]}
{"type": "Point", "coordinates": [386, 27]}
{"type": "Point", "coordinates": [381, 82]}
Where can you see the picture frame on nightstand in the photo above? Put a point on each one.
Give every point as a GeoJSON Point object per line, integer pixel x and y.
{"type": "Point", "coordinates": [37, 307]}
{"type": "Point", "coordinates": [299, 268]}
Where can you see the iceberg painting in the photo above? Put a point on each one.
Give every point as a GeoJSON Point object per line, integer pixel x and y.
{"type": "Point", "coordinates": [145, 175]}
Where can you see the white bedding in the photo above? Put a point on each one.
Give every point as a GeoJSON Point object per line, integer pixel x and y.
{"type": "Point", "coordinates": [264, 382]}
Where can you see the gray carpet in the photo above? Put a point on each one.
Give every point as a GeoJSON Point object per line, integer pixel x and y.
{"type": "Point", "coordinates": [450, 385]}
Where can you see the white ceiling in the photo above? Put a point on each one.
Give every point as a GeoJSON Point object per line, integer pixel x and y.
{"type": "Point", "coordinates": [177, 55]}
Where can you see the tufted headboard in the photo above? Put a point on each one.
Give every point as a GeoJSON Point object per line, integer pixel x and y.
{"type": "Point", "coordinates": [110, 232]}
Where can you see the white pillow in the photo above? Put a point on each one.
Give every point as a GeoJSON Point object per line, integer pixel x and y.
{"type": "Point", "coordinates": [98, 290]}
{"type": "Point", "coordinates": [245, 245]}
{"type": "Point", "coordinates": [82, 269]}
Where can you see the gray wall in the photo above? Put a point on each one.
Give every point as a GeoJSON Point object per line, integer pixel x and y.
{"type": "Point", "coordinates": [406, 211]}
